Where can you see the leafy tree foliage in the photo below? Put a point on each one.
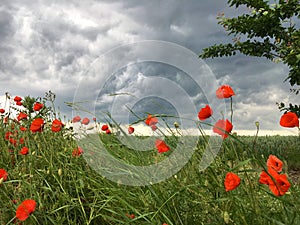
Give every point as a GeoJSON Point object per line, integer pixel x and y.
{"type": "Point", "coordinates": [269, 30]}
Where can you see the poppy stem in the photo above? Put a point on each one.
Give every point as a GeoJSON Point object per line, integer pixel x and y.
{"type": "Point", "coordinates": [256, 135]}
{"type": "Point", "coordinates": [231, 108]}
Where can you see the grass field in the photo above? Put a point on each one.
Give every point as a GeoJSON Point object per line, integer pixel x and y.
{"type": "Point", "coordinates": [68, 190]}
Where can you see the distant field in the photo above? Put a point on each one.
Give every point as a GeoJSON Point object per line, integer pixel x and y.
{"type": "Point", "coordinates": [285, 147]}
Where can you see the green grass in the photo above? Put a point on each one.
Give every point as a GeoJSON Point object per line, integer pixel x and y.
{"type": "Point", "coordinates": [82, 196]}
{"type": "Point", "coordinates": [73, 190]}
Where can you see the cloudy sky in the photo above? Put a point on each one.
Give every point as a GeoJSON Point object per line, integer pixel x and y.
{"type": "Point", "coordinates": [90, 50]}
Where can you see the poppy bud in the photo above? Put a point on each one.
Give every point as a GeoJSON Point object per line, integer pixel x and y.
{"type": "Point", "coordinates": [226, 217]}
{"type": "Point", "coordinates": [59, 172]}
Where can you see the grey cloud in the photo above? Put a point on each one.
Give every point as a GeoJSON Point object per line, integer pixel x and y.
{"type": "Point", "coordinates": [6, 24]}
{"type": "Point", "coordinates": [55, 45]}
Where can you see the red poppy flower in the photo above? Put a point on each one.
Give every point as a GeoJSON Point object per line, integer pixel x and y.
{"type": "Point", "coordinates": [25, 209]}
{"type": "Point", "coordinates": [21, 141]}
{"type": "Point", "coordinates": [223, 127]}
{"type": "Point", "coordinates": [24, 151]}
{"type": "Point", "coordinates": [94, 119]}
{"type": "Point", "coordinates": [278, 183]}
{"type": "Point", "coordinates": [17, 99]}
{"type": "Point", "coordinates": [151, 120]}
{"type": "Point", "coordinates": [161, 146]}
{"type": "Point", "coordinates": [8, 134]}
{"type": "Point", "coordinates": [38, 106]}
{"type": "Point", "coordinates": [19, 103]}
{"type": "Point", "coordinates": [3, 174]}
{"type": "Point", "coordinates": [85, 121]}
{"type": "Point", "coordinates": [264, 178]}
{"type": "Point", "coordinates": [268, 177]}
{"type": "Point", "coordinates": [13, 141]}
{"type": "Point", "coordinates": [130, 130]}
{"type": "Point", "coordinates": [289, 119]}
{"type": "Point", "coordinates": [77, 151]}
{"type": "Point", "coordinates": [76, 119]}
{"type": "Point", "coordinates": [130, 216]}
{"type": "Point", "coordinates": [37, 125]}
{"type": "Point", "coordinates": [274, 163]}
{"type": "Point", "coordinates": [108, 131]}
{"type": "Point", "coordinates": [2, 111]}
{"type": "Point", "coordinates": [281, 185]}
{"type": "Point", "coordinates": [23, 128]}
{"type": "Point", "coordinates": [56, 125]}
{"type": "Point", "coordinates": [232, 181]}
{"type": "Point", "coordinates": [205, 113]}
{"type": "Point", "coordinates": [154, 127]}
{"type": "Point", "coordinates": [22, 116]}
{"type": "Point", "coordinates": [104, 127]}
{"type": "Point", "coordinates": [225, 91]}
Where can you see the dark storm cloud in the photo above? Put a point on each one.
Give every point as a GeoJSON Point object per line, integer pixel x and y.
{"type": "Point", "coordinates": [54, 45]}
{"type": "Point", "coordinates": [192, 24]}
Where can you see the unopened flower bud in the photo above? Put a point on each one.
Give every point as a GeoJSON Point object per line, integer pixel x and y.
{"type": "Point", "coordinates": [226, 217]}
{"type": "Point", "coordinates": [59, 172]}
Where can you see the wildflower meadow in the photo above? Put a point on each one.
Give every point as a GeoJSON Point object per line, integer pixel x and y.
{"type": "Point", "coordinates": [46, 177]}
